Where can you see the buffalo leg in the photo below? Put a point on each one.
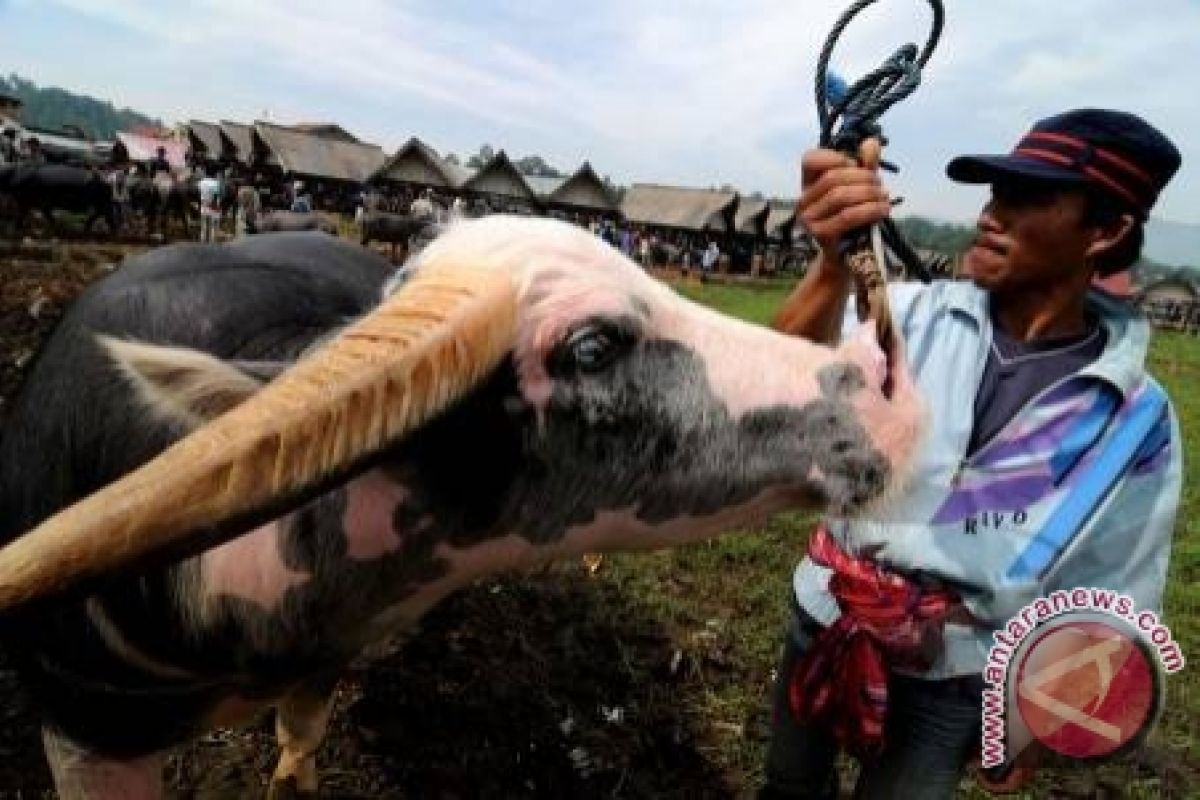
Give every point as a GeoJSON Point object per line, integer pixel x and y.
{"type": "Point", "coordinates": [82, 775]}
{"type": "Point", "coordinates": [19, 219]}
{"type": "Point", "coordinates": [51, 226]}
{"type": "Point", "coordinates": [301, 721]}
{"type": "Point", "coordinates": [89, 227]}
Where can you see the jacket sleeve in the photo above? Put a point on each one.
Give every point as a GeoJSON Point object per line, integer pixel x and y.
{"type": "Point", "coordinates": [1127, 546]}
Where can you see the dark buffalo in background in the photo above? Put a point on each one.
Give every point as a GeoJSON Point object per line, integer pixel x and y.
{"type": "Point", "coordinates": [160, 201]}
{"type": "Point", "coordinates": [292, 221]}
{"type": "Point", "coordinates": [410, 231]}
{"type": "Point", "coordinates": [56, 187]}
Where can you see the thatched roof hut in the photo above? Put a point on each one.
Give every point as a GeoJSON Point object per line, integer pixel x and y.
{"type": "Point", "coordinates": [314, 156]}
{"type": "Point", "coordinates": [206, 142]}
{"type": "Point", "coordinates": [751, 217]}
{"type": "Point", "coordinates": [241, 138]}
{"type": "Point", "coordinates": [1170, 302]}
{"type": "Point", "coordinates": [136, 147]}
{"type": "Point", "coordinates": [327, 130]}
{"type": "Point", "coordinates": [500, 178]}
{"type": "Point", "coordinates": [418, 163]}
{"type": "Point", "coordinates": [781, 220]}
{"type": "Point", "coordinates": [1173, 288]}
{"type": "Point", "coordinates": [679, 207]}
{"type": "Point", "coordinates": [583, 190]}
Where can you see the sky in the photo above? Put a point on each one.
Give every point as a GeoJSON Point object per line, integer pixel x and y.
{"type": "Point", "coordinates": [697, 93]}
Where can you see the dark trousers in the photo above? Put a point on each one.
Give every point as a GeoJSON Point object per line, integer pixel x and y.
{"type": "Point", "coordinates": [931, 731]}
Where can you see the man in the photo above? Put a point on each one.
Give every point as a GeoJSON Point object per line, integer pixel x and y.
{"type": "Point", "coordinates": [301, 202]}
{"type": "Point", "coordinates": [8, 146]}
{"type": "Point", "coordinates": [159, 164]}
{"type": "Point", "coordinates": [1028, 373]}
{"type": "Point", "coordinates": [423, 205]}
{"type": "Point", "coordinates": [34, 154]}
{"type": "Point", "coordinates": [210, 206]}
{"type": "Point", "coordinates": [249, 204]}
{"type": "Point", "coordinates": [119, 184]}
{"type": "Point", "coordinates": [710, 258]}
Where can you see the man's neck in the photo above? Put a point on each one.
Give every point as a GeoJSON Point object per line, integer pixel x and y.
{"type": "Point", "coordinates": [1042, 314]}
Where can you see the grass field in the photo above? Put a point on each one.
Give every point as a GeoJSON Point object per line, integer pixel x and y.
{"type": "Point", "coordinates": [731, 593]}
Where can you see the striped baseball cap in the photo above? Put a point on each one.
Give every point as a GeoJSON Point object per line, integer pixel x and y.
{"type": "Point", "coordinates": [1117, 153]}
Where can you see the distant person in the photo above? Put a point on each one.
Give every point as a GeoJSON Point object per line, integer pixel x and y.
{"type": "Point", "coordinates": [368, 200]}
{"type": "Point", "coordinates": [33, 151]}
{"type": "Point", "coordinates": [8, 147]}
{"type": "Point", "coordinates": [118, 181]}
{"type": "Point", "coordinates": [711, 257]}
{"type": "Point", "coordinates": [159, 164]}
{"type": "Point", "coordinates": [210, 206]}
{"type": "Point", "coordinates": [626, 240]}
{"type": "Point", "coordinates": [249, 204]}
{"type": "Point", "coordinates": [423, 205]}
{"type": "Point", "coordinates": [301, 201]}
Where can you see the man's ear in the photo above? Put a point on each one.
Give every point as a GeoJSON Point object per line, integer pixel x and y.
{"type": "Point", "coordinates": [1109, 234]}
{"type": "Point", "coordinates": [186, 386]}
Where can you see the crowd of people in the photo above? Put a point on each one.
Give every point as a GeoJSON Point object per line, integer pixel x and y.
{"type": "Point", "coordinates": [231, 198]}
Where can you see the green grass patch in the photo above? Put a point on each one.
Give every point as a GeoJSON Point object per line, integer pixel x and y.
{"type": "Point", "coordinates": [753, 304]}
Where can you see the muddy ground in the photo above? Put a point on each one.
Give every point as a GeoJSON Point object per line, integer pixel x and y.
{"type": "Point", "coordinates": [552, 685]}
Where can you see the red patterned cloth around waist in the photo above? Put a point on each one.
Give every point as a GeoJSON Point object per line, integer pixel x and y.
{"type": "Point", "coordinates": [887, 621]}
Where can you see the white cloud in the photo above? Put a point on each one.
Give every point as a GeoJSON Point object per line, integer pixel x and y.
{"type": "Point", "coordinates": [699, 92]}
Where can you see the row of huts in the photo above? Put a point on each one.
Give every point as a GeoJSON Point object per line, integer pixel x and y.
{"type": "Point", "coordinates": [328, 156]}
{"type": "Point", "coordinates": [336, 166]}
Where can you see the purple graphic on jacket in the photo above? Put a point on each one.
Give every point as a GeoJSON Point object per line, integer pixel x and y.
{"type": "Point", "coordinates": [1033, 456]}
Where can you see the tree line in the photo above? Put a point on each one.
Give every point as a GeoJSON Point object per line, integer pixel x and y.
{"type": "Point", "coordinates": [534, 166]}
{"type": "Point", "coordinates": [57, 109]}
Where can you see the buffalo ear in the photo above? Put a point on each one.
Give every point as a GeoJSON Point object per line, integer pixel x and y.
{"type": "Point", "coordinates": [186, 386]}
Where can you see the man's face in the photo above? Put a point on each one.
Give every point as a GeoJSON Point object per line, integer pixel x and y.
{"type": "Point", "coordinates": [1031, 234]}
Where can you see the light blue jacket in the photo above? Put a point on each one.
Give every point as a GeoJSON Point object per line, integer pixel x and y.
{"type": "Point", "coordinates": [969, 522]}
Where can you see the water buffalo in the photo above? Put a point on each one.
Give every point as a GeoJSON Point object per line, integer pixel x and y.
{"type": "Point", "coordinates": [291, 221]}
{"type": "Point", "coordinates": [163, 199]}
{"type": "Point", "coordinates": [234, 466]}
{"type": "Point", "coordinates": [379, 226]}
{"type": "Point", "coordinates": [405, 230]}
{"type": "Point", "coordinates": [52, 187]}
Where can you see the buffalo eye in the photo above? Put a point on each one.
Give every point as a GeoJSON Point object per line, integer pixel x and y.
{"type": "Point", "coordinates": [589, 349]}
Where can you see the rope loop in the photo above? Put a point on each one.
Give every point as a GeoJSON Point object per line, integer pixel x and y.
{"type": "Point", "coordinates": [846, 121]}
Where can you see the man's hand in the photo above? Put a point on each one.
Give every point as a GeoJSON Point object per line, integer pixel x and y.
{"type": "Point", "coordinates": [838, 195]}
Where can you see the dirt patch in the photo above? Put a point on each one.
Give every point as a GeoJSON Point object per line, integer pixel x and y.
{"type": "Point", "coordinates": [548, 687]}
{"type": "Point", "coordinates": [553, 686]}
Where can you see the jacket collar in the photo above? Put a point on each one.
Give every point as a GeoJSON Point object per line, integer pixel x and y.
{"type": "Point", "coordinates": [1122, 363]}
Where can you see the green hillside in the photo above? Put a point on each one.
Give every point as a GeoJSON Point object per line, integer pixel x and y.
{"type": "Point", "coordinates": [52, 108]}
